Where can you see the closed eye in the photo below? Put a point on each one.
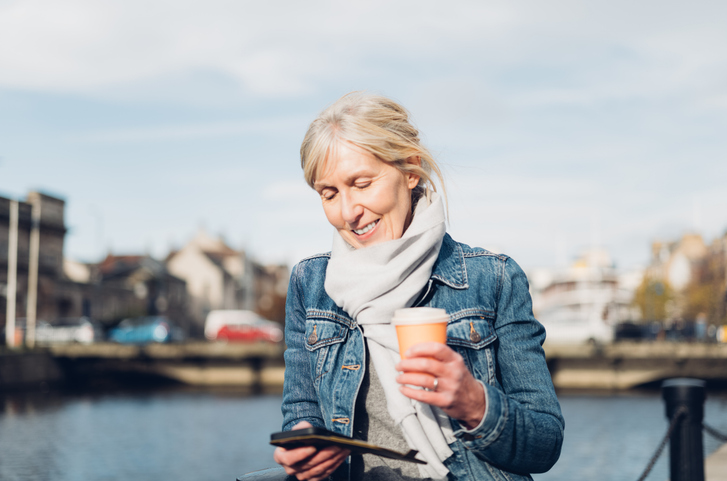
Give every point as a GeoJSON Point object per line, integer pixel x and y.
{"type": "Point", "coordinates": [328, 194]}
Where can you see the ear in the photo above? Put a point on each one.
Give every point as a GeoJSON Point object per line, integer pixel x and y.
{"type": "Point", "coordinates": [412, 179]}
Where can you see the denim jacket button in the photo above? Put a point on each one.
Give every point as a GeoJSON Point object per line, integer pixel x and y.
{"type": "Point", "coordinates": [468, 437]}
{"type": "Point", "coordinates": [312, 338]}
{"type": "Point", "coordinates": [475, 336]}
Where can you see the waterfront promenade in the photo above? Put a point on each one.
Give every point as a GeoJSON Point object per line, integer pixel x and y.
{"type": "Point", "coordinates": [715, 467]}
{"type": "Point", "coordinates": [257, 366]}
{"type": "Point", "coordinates": [627, 365]}
{"type": "Point", "coordinates": [617, 367]}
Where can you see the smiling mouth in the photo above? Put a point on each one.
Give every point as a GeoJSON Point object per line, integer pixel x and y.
{"type": "Point", "coordinates": [365, 229]}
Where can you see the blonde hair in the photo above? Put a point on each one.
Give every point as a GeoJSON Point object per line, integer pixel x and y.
{"type": "Point", "coordinates": [376, 124]}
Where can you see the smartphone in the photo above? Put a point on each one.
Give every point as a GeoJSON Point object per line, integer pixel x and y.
{"type": "Point", "coordinates": [304, 437]}
{"type": "Point", "coordinates": [321, 437]}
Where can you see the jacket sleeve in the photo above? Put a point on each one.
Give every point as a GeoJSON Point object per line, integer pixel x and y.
{"type": "Point", "coordinates": [522, 430]}
{"type": "Point", "coordinates": [300, 402]}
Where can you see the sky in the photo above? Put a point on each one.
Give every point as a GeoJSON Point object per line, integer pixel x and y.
{"type": "Point", "coordinates": [559, 125]}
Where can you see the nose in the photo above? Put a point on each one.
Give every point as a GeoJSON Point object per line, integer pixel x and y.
{"type": "Point", "coordinates": [351, 209]}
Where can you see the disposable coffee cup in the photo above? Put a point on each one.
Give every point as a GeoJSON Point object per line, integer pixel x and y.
{"type": "Point", "coordinates": [419, 324]}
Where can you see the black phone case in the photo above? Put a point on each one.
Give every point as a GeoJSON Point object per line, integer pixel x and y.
{"type": "Point", "coordinates": [302, 432]}
{"type": "Point", "coordinates": [320, 437]}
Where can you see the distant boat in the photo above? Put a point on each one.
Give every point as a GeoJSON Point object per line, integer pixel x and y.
{"type": "Point", "coordinates": [583, 303]}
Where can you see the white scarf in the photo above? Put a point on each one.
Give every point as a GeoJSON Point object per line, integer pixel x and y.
{"type": "Point", "coordinates": [370, 283]}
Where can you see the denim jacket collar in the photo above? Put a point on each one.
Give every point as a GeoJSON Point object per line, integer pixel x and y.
{"type": "Point", "coordinates": [450, 267]}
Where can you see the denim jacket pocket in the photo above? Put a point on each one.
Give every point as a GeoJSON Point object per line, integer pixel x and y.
{"type": "Point", "coordinates": [471, 333]}
{"type": "Point", "coordinates": [324, 334]}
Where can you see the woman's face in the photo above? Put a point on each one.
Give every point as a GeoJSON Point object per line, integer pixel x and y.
{"type": "Point", "coordinates": [366, 199]}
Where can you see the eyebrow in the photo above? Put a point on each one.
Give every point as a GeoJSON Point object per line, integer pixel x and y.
{"type": "Point", "coordinates": [363, 172]}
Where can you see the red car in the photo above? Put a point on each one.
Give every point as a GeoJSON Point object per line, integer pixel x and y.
{"type": "Point", "coordinates": [259, 331]}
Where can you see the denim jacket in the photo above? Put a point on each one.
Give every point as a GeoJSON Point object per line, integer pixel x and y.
{"type": "Point", "coordinates": [491, 325]}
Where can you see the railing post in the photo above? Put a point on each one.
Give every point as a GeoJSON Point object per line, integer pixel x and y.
{"type": "Point", "coordinates": [256, 365]}
{"type": "Point", "coordinates": [686, 452]}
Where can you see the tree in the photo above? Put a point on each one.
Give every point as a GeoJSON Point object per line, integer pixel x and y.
{"type": "Point", "coordinates": [654, 298]}
{"type": "Point", "coordinates": [705, 294]}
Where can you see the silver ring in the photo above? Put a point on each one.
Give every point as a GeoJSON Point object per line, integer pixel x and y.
{"type": "Point", "coordinates": [436, 384]}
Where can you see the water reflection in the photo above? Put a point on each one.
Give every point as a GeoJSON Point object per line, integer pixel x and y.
{"type": "Point", "coordinates": [613, 437]}
{"type": "Point", "coordinates": [185, 435]}
{"type": "Point", "coordinates": [194, 435]}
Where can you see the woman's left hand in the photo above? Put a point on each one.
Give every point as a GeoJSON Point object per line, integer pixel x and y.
{"type": "Point", "coordinates": [457, 392]}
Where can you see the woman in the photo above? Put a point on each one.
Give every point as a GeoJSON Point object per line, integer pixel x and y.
{"type": "Point", "coordinates": [481, 407]}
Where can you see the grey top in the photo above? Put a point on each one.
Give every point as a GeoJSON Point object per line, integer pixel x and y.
{"type": "Point", "coordinates": [373, 424]}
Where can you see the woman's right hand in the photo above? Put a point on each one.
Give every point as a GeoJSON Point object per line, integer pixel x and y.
{"type": "Point", "coordinates": [308, 462]}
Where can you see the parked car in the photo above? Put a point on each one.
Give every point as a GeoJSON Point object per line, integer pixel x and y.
{"type": "Point", "coordinates": [142, 330]}
{"type": "Point", "coordinates": [260, 330]}
{"type": "Point", "coordinates": [218, 318]}
{"type": "Point", "coordinates": [65, 330]}
{"type": "Point", "coordinates": [240, 325]}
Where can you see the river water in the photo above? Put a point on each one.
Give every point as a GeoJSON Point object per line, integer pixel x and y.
{"type": "Point", "coordinates": [188, 435]}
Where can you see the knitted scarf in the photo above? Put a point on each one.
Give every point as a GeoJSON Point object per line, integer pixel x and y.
{"type": "Point", "coordinates": [369, 284]}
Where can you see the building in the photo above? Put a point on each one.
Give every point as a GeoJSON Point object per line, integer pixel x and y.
{"type": "Point", "coordinates": [54, 295]}
{"type": "Point", "coordinates": [138, 285]}
{"type": "Point", "coordinates": [118, 287]}
{"type": "Point", "coordinates": [217, 276]}
{"type": "Point", "coordinates": [220, 277]}
{"type": "Point", "coordinates": [692, 275]}
{"type": "Point", "coordinates": [205, 274]}
{"type": "Point", "coordinates": [271, 286]}
{"type": "Point", "coordinates": [676, 262]}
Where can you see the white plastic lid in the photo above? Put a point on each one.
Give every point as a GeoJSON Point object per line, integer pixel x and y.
{"type": "Point", "coordinates": [419, 315]}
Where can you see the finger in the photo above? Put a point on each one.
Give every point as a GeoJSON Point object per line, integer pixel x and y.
{"type": "Point", "coordinates": [332, 464]}
{"type": "Point", "coordinates": [436, 350]}
{"type": "Point", "coordinates": [422, 380]}
{"type": "Point", "coordinates": [427, 397]}
{"type": "Point", "coordinates": [422, 365]}
{"type": "Point", "coordinates": [323, 469]}
{"type": "Point", "coordinates": [291, 457]}
{"type": "Point", "coordinates": [323, 456]}
{"type": "Point", "coordinates": [302, 425]}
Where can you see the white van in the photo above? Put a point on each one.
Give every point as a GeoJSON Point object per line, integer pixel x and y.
{"type": "Point", "coordinates": [222, 317]}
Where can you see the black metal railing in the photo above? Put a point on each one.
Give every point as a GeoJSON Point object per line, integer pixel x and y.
{"type": "Point", "coordinates": [684, 402]}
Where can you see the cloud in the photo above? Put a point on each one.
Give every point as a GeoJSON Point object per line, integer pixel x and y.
{"type": "Point", "coordinates": [290, 190]}
{"type": "Point", "coordinates": [271, 48]}
{"type": "Point", "coordinates": [83, 45]}
{"type": "Point", "coordinates": [293, 48]}
{"type": "Point", "coordinates": [543, 113]}
{"type": "Point", "coordinates": [262, 126]}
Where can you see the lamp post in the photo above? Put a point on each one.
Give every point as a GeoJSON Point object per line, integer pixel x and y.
{"type": "Point", "coordinates": [11, 292]}
{"type": "Point", "coordinates": [33, 272]}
